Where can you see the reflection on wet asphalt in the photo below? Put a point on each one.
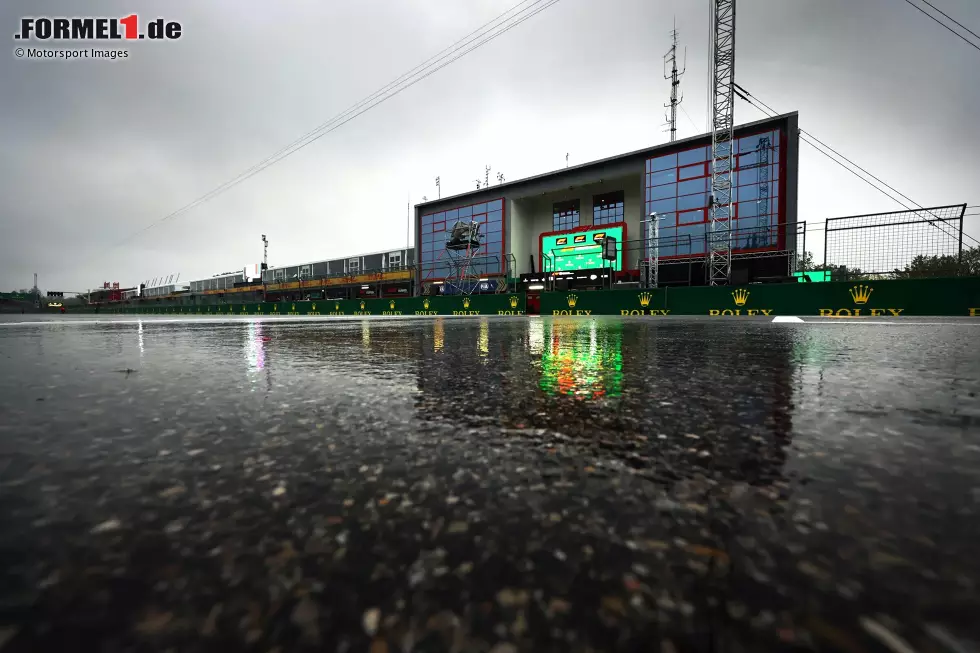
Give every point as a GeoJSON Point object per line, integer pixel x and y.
{"type": "Point", "coordinates": [488, 485]}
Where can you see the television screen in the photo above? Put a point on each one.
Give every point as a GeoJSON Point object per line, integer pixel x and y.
{"type": "Point", "coordinates": [583, 253]}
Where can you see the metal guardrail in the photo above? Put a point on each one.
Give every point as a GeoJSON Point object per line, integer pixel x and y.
{"type": "Point", "coordinates": [374, 273]}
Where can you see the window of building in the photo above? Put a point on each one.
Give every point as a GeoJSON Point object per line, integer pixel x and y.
{"type": "Point", "coordinates": [395, 260]}
{"type": "Point", "coordinates": [565, 215]}
{"type": "Point", "coordinates": [354, 265]}
{"type": "Point", "coordinates": [279, 275]}
{"type": "Point", "coordinates": [304, 272]}
{"type": "Point", "coordinates": [678, 188]}
{"type": "Point", "coordinates": [608, 208]}
{"type": "Point", "coordinates": [435, 227]}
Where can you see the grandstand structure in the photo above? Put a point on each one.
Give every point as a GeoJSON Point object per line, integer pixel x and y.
{"type": "Point", "coordinates": [387, 273]}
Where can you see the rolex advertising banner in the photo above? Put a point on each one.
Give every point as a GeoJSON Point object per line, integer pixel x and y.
{"type": "Point", "coordinates": [893, 298]}
{"type": "Point", "coordinates": [502, 304]}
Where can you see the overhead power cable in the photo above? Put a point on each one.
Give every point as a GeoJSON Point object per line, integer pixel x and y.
{"type": "Point", "coordinates": [944, 25]}
{"type": "Point", "coordinates": [951, 19]}
{"type": "Point", "coordinates": [813, 142]}
{"type": "Point", "coordinates": [476, 39]}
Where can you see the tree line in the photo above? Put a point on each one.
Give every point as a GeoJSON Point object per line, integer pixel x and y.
{"type": "Point", "coordinates": [921, 266]}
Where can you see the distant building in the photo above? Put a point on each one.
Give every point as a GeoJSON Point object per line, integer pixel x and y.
{"type": "Point", "coordinates": [554, 222]}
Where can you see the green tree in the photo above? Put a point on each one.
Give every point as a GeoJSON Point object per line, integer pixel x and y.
{"type": "Point", "coordinates": [805, 262]}
{"type": "Point", "coordinates": [944, 265]}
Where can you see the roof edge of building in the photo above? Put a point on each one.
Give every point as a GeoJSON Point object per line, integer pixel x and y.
{"type": "Point", "coordinates": [492, 191]}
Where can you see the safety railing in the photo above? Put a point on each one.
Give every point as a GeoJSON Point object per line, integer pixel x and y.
{"type": "Point", "coordinates": [349, 276]}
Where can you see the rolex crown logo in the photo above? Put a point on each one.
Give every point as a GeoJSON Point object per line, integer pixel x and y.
{"type": "Point", "coordinates": [466, 302]}
{"type": "Point", "coordinates": [513, 302]}
{"type": "Point", "coordinates": [645, 299]}
{"type": "Point", "coordinates": [391, 304]}
{"type": "Point", "coordinates": [275, 307]}
{"type": "Point", "coordinates": [425, 304]}
{"type": "Point", "coordinates": [336, 306]}
{"type": "Point", "coordinates": [362, 304]}
{"type": "Point", "coordinates": [293, 308]}
{"type": "Point", "coordinates": [572, 301]}
{"type": "Point", "coordinates": [861, 294]}
{"type": "Point", "coordinates": [740, 296]}
{"type": "Point", "coordinates": [313, 307]}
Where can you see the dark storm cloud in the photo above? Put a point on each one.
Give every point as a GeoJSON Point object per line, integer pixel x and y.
{"type": "Point", "coordinates": [95, 151]}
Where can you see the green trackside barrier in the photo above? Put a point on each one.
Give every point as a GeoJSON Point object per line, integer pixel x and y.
{"type": "Point", "coordinates": [913, 297]}
{"type": "Point", "coordinates": [502, 304]}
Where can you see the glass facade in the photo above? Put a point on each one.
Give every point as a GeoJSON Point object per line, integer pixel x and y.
{"type": "Point", "coordinates": [678, 187]}
{"type": "Point", "coordinates": [435, 230]}
{"type": "Point", "coordinates": [565, 216]}
{"type": "Point", "coordinates": [608, 208]}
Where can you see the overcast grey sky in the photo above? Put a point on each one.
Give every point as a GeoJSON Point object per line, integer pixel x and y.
{"type": "Point", "coordinates": [93, 151]}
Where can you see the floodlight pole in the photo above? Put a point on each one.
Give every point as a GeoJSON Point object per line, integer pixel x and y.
{"type": "Point", "coordinates": [265, 266]}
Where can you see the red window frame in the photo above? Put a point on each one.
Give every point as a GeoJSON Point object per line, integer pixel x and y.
{"type": "Point", "coordinates": [704, 217]}
{"type": "Point", "coordinates": [485, 222]}
{"type": "Point", "coordinates": [778, 184]}
{"type": "Point", "coordinates": [704, 171]}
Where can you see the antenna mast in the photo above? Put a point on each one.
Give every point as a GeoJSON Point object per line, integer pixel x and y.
{"type": "Point", "coordinates": [675, 81]}
{"type": "Point", "coordinates": [722, 141]}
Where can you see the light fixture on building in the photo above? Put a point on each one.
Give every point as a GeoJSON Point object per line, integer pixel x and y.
{"type": "Point", "coordinates": [535, 287]}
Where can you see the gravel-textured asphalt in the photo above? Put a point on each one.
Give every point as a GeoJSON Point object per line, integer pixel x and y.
{"type": "Point", "coordinates": [488, 484]}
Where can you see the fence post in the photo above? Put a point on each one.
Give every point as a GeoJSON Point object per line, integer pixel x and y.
{"type": "Point", "coordinates": [959, 254]}
{"type": "Point", "coordinates": [825, 247]}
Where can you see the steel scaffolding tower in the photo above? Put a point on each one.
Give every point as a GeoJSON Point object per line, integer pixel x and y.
{"type": "Point", "coordinates": [722, 142]}
{"type": "Point", "coordinates": [462, 249]}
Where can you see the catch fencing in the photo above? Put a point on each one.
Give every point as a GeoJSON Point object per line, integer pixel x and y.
{"type": "Point", "coordinates": [897, 244]}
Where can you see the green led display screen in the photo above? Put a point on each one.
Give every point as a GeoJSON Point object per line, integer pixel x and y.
{"type": "Point", "coordinates": [581, 250]}
{"type": "Point", "coordinates": [814, 275]}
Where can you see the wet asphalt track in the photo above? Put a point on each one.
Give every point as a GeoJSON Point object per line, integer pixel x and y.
{"type": "Point", "coordinates": [489, 485]}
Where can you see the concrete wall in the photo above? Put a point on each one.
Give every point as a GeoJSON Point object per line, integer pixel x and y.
{"type": "Point", "coordinates": [634, 209]}
{"type": "Point", "coordinates": [518, 240]}
{"type": "Point", "coordinates": [789, 182]}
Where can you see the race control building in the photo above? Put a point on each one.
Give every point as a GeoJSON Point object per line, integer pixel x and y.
{"type": "Point", "coordinates": [551, 225]}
